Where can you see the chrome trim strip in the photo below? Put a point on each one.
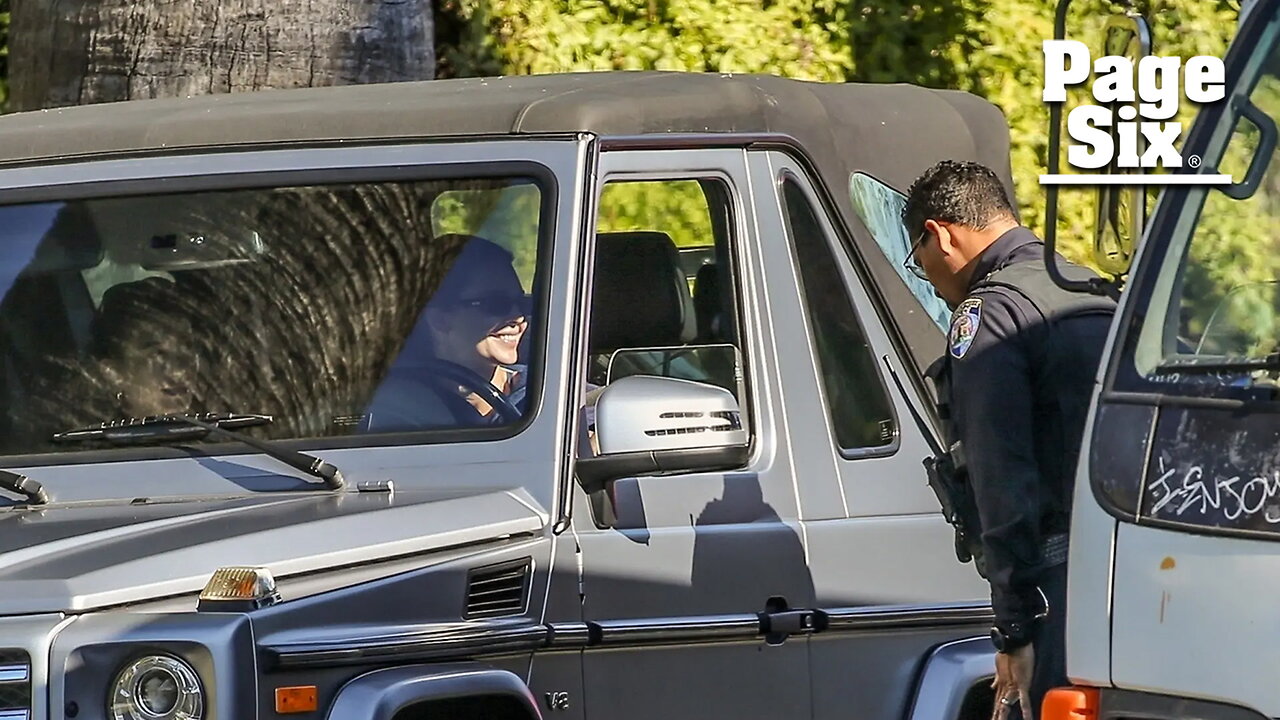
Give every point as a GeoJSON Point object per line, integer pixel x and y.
{"type": "Point", "coordinates": [880, 617]}
{"type": "Point", "coordinates": [651, 631]}
{"type": "Point", "coordinates": [17, 714]}
{"type": "Point", "coordinates": [473, 639]}
{"type": "Point", "coordinates": [570, 635]}
{"type": "Point", "coordinates": [15, 673]}
{"type": "Point", "coordinates": [452, 641]}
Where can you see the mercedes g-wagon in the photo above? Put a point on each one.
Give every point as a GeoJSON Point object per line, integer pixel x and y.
{"type": "Point", "coordinates": [593, 395]}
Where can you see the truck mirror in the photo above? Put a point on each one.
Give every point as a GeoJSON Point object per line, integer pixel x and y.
{"type": "Point", "coordinates": [650, 425]}
{"type": "Point", "coordinates": [1121, 211]}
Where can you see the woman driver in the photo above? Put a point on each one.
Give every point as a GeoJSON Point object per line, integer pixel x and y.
{"type": "Point", "coordinates": [475, 319]}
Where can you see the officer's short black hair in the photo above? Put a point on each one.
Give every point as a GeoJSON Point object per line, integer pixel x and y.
{"type": "Point", "coordinates": [957, 191]}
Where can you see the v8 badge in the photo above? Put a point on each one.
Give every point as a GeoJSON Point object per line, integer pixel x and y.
{"type": "Point", "coordinates": [557, 700]}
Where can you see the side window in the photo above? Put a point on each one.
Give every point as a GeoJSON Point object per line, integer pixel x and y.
{"type": "Point", "coordinates": [663, 293]}
{"type": "Point", "coordinates": [856, 398]}
{"type": "Point", "coordinates": [880, 209]}
{"type": "Point", "coordinates": [130, 306]}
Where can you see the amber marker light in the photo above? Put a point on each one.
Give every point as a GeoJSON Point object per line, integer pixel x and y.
{"type": "Point", "coordinates": [1070, 703]}
{"type": "Point", "coordinates": [297, 699]}
{"type": "Point", "coordinates": [238, 589]}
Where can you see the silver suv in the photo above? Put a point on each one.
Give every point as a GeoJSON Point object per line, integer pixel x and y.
{"type": "Point", "coordinates": [569, 396]}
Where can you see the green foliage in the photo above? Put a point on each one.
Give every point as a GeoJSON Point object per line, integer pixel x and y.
{"type": "Point", "coordinates": [678, 208]}
{"type": "Point", "coordinates": [797, 38]}
{"type": "Point", "coordinates": [506, 213]}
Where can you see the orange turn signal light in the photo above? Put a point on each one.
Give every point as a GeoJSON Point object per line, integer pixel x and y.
{"type": "Point", "coordinates": [301, 698]}
{"type": "Point", "coordinates": [1070, 703]}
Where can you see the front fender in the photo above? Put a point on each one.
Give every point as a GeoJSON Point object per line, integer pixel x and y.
{"type": "Point", "coordinates": [948, 674]}
{"type": "Point", "coordinates": [380, 694]}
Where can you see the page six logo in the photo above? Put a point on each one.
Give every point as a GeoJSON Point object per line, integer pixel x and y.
{"type": "Point", "coordinates": [1108, 134]}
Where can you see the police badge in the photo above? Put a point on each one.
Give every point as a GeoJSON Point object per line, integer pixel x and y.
{"type": "Point", "coordinates": [964, 326]}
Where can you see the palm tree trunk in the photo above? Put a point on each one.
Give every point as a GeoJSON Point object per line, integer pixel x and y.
{"type": "Point", "coordinates": [76, 52]}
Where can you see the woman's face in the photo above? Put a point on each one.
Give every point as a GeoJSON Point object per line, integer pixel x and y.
{"type": "Point", "coordinates": [500, 342]}
{"type": "Point", "coordinates": [486, 322]}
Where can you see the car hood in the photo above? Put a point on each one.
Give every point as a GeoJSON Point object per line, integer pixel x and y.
{"type": "Point", "coordinates": [81, 557]}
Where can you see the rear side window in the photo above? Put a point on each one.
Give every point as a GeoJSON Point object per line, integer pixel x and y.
{"type": "Point", "coordinates": [880, 209]}
{"type": "Point", "coordinates": [856, 398]}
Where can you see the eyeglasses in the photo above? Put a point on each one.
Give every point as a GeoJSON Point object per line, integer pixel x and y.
{"type": "Point", "coordinates": [910, 262]}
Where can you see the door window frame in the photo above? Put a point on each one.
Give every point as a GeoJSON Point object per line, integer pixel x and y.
{"type": "Point", "coordinates": [736, 229]}
{"type": "Point", "coordinates": [647, 165]}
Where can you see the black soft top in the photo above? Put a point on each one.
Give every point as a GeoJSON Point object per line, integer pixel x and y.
{"type": "Point", "coordinates": [890, 131]}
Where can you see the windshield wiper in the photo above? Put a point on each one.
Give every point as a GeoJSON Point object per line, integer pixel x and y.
{"type": "Point", "coordinates": [172, 429]}
{"type": "Point", "coordinates": [23, 485]}
{"type": "Point", "coordinates": [1270, 362]}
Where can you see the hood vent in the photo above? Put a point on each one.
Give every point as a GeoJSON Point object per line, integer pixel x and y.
{"type": "Point", "coordinates": [497, 590]}
{"type": "Point", "coordinates": [15, 685]}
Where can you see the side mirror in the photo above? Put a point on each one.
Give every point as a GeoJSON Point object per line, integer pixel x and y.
{"type": "Point", "coordinates": [718, 364]}
{"type": "Point", "coordinates": [1121, 212]}
{"type": "Point", "coordinates": [648, 425]}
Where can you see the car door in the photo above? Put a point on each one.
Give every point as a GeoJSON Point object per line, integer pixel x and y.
{"type": "Point", "coordinates": [881, 554]}
{"type": "Point", "coordinates": [679, 568]}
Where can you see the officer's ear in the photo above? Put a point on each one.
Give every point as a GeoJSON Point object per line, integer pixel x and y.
{"type": "Point", "coordinates": [945, 238]}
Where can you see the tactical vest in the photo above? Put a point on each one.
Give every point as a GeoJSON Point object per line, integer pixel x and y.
{"type": "Point", "coordinates": [1031, 281]}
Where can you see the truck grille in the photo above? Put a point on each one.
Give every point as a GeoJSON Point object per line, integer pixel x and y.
{"type": "Point", "coordinates": [15, 684]}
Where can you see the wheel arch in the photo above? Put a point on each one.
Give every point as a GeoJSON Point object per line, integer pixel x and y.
{"type": "Point", "coordinates": [954, 682]}
{"type": "Point", "coordinates": [406, 693]}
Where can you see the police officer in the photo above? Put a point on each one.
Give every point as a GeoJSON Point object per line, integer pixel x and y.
{"type": "Point", "coordinates": [1016, 381]}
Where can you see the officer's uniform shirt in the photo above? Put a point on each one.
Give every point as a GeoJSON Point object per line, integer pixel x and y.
{"type": "Point", "coordinates": [1019, 414]}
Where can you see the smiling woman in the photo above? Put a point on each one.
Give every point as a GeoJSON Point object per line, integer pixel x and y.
{"type": "Point", "coordinates": [469, 332]}
{"type": "Point", "coordinates": [334, 309]}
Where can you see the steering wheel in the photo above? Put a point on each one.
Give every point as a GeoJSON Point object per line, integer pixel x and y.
{"type": "Point", "coordinates": [438, 370]}
{"type": "Point", "coordinates": [401, 403]}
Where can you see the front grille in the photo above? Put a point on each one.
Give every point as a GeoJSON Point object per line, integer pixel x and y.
{"type": "Point", "coordinates": [15, 684]}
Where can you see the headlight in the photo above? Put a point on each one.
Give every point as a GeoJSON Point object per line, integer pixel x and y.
{"type": "Point", "coordinates": [157, 687]}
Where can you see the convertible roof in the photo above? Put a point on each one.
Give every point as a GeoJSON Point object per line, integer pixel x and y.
{"type": "Point", "coordinates": [890, 131]}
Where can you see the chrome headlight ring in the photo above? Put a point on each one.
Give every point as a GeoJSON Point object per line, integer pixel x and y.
{"type": "Point", "coordinates": [156, 687]}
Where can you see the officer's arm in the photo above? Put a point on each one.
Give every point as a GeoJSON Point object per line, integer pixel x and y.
{"type": "Point", "coordinates": [992, 401]}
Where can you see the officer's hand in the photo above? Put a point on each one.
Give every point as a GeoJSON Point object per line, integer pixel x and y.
{"type": "Point", "coordinates": [1013, 683]}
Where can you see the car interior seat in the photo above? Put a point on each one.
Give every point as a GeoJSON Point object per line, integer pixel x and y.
{"type": "Point", "coordinates": [640, 297]}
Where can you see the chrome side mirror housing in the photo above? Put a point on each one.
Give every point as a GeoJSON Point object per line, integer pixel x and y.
{"type": "Point", "coordinates": [650, 425]}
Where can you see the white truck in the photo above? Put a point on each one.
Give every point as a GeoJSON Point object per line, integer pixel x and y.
{"type": "Point", "coordinates": [1174, 560]}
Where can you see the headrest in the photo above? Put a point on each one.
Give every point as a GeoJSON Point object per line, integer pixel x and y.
{"type": "Point", "coordinates": [641, 297]}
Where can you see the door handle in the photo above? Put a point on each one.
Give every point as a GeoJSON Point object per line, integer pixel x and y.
{"type": "Point", "coordinates": [779, 622]}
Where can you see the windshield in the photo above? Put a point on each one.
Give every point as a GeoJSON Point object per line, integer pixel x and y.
{"type": "Point", "coordinates": [335, 310]}
{"type": "Point", "coordinates": [1213, 316]}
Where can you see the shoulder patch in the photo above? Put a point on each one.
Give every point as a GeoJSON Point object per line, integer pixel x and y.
{"type": "Point", "coordinates": [964, 326]}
